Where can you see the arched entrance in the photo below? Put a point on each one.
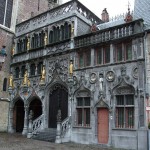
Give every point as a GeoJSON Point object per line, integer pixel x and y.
{"type": "Point", "coordinates": [58, 99]}
{"type": "Point", "coordinates": [19, 116]}
{"type": "Point", "coordinates": [36, 107]}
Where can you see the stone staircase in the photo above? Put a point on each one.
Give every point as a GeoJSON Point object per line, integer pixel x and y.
{"type": "Point", "coordinates": [48, 134]}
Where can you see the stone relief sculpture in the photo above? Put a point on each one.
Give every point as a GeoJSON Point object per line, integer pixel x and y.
{"type": "Point", "coordinates": [93, 78]}
{"type": "Point", "coordinates": [110, 76]}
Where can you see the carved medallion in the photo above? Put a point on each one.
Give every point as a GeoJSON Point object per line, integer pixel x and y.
{"type": "Point", "coordinates": [135, 72]}
{"type": "Point", "coordinates": [110, 76]}
{"type": "Point", "coordinates": [93, 77]}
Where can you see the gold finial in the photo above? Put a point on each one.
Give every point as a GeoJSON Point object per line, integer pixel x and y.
{"type": "Point", "coordinates": [25, 79]}
{"type": "Point", "coordinates": [71, 68]}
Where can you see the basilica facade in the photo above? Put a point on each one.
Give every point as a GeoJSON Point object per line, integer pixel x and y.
{"type": "Point", "coordinates": [72, 72]}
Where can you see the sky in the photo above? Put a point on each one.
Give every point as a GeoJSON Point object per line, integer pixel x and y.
{"type": "Point", "coordinates": [114, 7]}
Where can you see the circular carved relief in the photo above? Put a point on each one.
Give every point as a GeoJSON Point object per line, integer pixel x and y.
{"type": "Point", "coordinates": [135, 72]}
{"type": "Point", "coordinates": [93, 77]}
{"type": "Point", "coordinates": [110, 76]}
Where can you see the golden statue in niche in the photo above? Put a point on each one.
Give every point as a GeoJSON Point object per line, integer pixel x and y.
{"type": "Point", "coordinates": [72, 30]}
{"type": "Point", "coordinates": [45, 39]}
{"type": "Point", "coordinates": [71, 68]}
{"type": "Point", "coordinates": [13, 50]}
{"type": "Point", "coordinates": [28, 43]}
{"type": "Point", "coordinates": [11, 81]}
{"type": "Point", "coordinates": [43, 74]}
{"type": "Point", "coordinates": [25, 79]}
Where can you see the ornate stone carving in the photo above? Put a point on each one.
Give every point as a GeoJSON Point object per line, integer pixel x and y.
{"type": "Point", "coordinates": [93, 77]}
{"type": "Point", "coordinates": [135, 72]}
{"type": "Point", "coordinates": [110, 76]}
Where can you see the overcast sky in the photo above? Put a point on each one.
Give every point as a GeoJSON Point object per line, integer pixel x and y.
{"type": "Point", "coordinates": [114, 7]}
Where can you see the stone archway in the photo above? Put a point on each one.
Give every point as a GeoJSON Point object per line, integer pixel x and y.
{"type": "Point", "coordinates": [18, 112]}
{"type": "Point", "coordinates": [36, 107]}
{"type": "Point", "coordinates": [58, 100]}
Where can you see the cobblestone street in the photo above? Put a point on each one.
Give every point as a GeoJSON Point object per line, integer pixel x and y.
{"type": "Point", "coordinates": [18, 142]}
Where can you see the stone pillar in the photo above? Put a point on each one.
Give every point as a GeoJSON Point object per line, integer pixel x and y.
{"type": "Point", "coordinates": [58, 132]}
{"type": "Point", "coordinates": [10, 120]}
{"type": "Point", "coordinates": [29, 135]}
{"type": "Point", "coordinates": [25, 129]}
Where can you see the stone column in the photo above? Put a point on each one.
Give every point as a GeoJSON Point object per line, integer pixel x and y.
{"type": "Point", "coordinates": [29, 135]}
{"type": "Point", "coordinates": [58, 132]}
{"type": "Point", "coordinates": [10, 120]}
{"type": "Point", "coordinates": [25, 129]}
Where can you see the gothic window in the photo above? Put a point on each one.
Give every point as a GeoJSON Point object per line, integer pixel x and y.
{"type": "Point", "coordinates": [54, 34]}
{"type": "Point", "coordinates": [118, 52]}
{"type": "Point", "coordinates": [57, 34]}
{"type": "Point", "coordinates": [36, 41]}
{"type": "Point", "coordinates": [83, 111]}
{"type": "Point", "coordinates": [99, 55]}
{"type": "Point", "coordinates": [39, 67]}
{"type": "Point", "coordinates": [5, 84]}
{"type": "Point", "coordinates": [51, 37]}
{"type": "Point", "coordinates": [42, 39]}
{"type": "Point", "coordinates": [128, 51]}
{"type": "Point", "coordinates": [69, 31]}
{"type": "Point", "coordinates": [125, 111]}
{"type": "Point", "coordinates": [84, 58]}
{"type": "Point", "coordinates": [106, 54]}
{"type": "Point", "coordinates": [23, 68]}
{"type": "Point", "coordinates": [32, 69]}
{"type": "Point", "coordinates": [17, 70]}
{"type": "Point", "coordinates": [32, 43]}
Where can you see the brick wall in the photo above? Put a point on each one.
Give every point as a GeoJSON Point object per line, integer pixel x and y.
{"type": "Point", "coordinates": [25, 7]}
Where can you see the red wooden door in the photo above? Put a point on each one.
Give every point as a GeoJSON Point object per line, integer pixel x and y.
{"type": "Point", "coordinates": [103, 125]}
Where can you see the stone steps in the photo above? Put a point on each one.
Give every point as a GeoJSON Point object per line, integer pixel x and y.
{"type": "Point", "coordinates": [48, 134]}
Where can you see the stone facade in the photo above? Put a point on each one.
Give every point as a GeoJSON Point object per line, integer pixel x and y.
{"type": "Point", "coordinates": [70, 77]}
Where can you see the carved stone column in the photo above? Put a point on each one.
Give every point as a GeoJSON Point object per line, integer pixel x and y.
{"type": "Point", "coordinates": [10, 120]}
{"type": "Point", "coordinates": [25, 129]}
{"type": "Point", "coordinates": [29, 135]}
{"type": "Point", "coordinates": [58, 134]}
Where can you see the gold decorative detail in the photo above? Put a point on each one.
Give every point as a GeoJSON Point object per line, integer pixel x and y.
{"type": "Point", "coordinates": [29, 83]}
{"type": "Point", "coordinates": [13, 50]}
{"type": "Point", "coordinates": [11, 81]}
{"type": "Point", "coordinates": [71, 68]}
{"type": "Point", "coordinates": [25, 79]}
{"type": "Point", "coordinates": [43, 74]}
{"type": "Point", "coordinates": [72, 29]}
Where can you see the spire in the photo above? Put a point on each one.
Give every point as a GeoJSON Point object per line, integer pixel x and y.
{"type": "Point", "coordinates": [128, 17]}
{"type": "Point", "coordinates": [105, 15]}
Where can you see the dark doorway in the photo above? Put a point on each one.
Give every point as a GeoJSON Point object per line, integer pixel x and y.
{"type": "Point", "coordinates": [36, 107]}
{"type": "Point", "coordinates": [58, 99]}
{"type": "Point", "coordinates": [19, 116]}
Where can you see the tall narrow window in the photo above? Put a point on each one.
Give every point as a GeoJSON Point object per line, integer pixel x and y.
{"type": "Point", "coordinates": [17, 71]}
{"type": "Point", "coordinates": [62, 33]}
{"type": "Point", "coordinates": [23, 68]}
{"type": "Point", "coordinates": [124, 111]}
{"type": "Point", "coordinates": [83, 111]}
{"type": "Point", "coordinates": [39, 68]}
{"type": "Point", "coordinates": [119, 52]}
{"type": "Point", "coordinates": [87, 57]}
{"type": "Point", "coordinates": [5, 84]}
{"type": "Point", "coordinates": [106, 54]}
{"type": "Point", "coordinates": [66, 30]}
{"type": "Point", "coordinates": [99, 55]}
{"type": "Point", "coordinates": [81, 59]}
{"type": "Point", "coordinates": [51, 37]}
{"type": "Point", "coordinates": [32, 69]}
{"type": "Point", "coordinates": [128, 51]}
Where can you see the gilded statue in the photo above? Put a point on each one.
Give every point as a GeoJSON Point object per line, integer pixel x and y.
{"type": "Point", "coordinates": [71, 68]}
{"type": "Point", "coordinates": [11, 80]}
{"type": "Point", "coordinates": [28, 43]}
{"type": "Point", "coordinates": [13, 50]}
{"type": "Point", "coordinates": [25, 79]}
{"type": "Point", "coordinates": [43, 74]}
{"type": "Point", "coordinates": [72, 30]}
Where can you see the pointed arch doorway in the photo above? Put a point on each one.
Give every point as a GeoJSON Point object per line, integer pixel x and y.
{"type": "Point", "coordinates": [19, 116]}
{"type": "Point", "coordinates": [58, 100]}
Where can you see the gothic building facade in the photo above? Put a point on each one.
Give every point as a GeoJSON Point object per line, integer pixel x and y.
{"type": "Point", "coordinates": [83, 81]}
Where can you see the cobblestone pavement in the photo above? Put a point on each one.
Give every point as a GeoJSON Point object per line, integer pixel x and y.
{"type": "Point", "coordinates": [18, 142]}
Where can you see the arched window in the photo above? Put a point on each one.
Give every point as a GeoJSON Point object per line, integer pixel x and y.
{"type": "Point", "coordinates": [57, 34]}
{"type": "Point", "coordinates": [51, 37]}
{"type": "Point", "coordinates": [66, 31]}
{"type": "Point", "coordinates": [69, 31]}
{"type": "Point", "coordinates": [36, 40]}
{"type": "Point", "coordinates": [17, 70]}
{"type": "Point", "coordinates": [32, 69]}
{"type": "Point", "coordinates": [39, 67]}
{"type": "Point", "coordinates": [62, 33]}
{"type": "Point", "coordinates": [32, 42]}
{"type": "Point", "coordinates": [54, 34]}
{"type": "Point", "coordinates": [23, 68]}
{"type": "Point", "coordinates": [42, 38]}
{"type": "Point", "coordinates": [5, 84]}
